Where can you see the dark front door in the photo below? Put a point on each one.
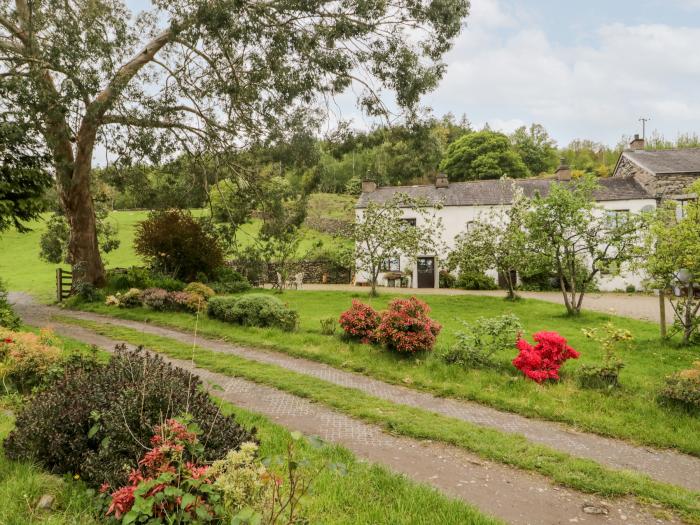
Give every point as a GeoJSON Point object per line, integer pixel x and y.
{"type": "Point", "coordinates": [426, 272]}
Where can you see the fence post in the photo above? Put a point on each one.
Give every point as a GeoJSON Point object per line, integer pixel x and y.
{"type": "Point", "coordinates": [662, 313]}
{"type": "Point", "coordinates": [59, 287]}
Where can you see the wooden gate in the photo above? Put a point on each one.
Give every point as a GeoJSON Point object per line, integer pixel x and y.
{"type": "Point", "coordinates": [64, 284]}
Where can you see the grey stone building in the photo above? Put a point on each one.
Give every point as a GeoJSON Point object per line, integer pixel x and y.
{"type": "Point", "coordinates": [664, 174]}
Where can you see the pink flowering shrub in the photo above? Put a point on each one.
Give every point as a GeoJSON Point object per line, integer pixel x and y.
{"type": "Point", "coordinates": [406, 327]}
{"type": "Point", "coordinates": [360, 322]}
{"type": "Point", "coordinates": [166, 486]}
{"type": "Point", "coordinates": [543, 361]}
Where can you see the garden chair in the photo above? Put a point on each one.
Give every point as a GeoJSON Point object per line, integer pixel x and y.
{"type": "Point", "coordinates": [299, 281]}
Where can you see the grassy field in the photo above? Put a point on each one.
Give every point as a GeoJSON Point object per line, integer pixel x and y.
{"type": "Point", "coordinates": [366, 494]}
{"type": "Point", "coordinates": [23, 270]}
{"type": "Point", "coordinates": [631, 412]}
{"type": "Point", "coordinates": [512, 449]}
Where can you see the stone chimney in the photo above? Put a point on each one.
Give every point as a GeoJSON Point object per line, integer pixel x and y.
{"type": "Point", "coordinates": [563, 171]}
{"type": "Point", "coordinates": [368, 186]}
{"type": "Point", "coordinates": [441, 181]}
{"type": "Point", "coordinates": [637, 143]}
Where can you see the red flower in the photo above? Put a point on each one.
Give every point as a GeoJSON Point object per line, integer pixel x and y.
{"type": "Point", "coordinates": [543, 361]}
{"type": "Point", "coordinates": [104, 487]}
{"type": "Point", "coordinates": [8, 340]}
{"type": "Point", "coordinates": [360, 322]}
{"type": "Point", "coordinates": [406, 327]}
{"type": "Point", "coordinates": [122, 501]}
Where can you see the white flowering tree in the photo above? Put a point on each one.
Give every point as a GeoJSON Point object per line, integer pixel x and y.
{"type": "Point", "coordinates": [382, 232]}
{"type": "Point", "coordinates": [498, 240]}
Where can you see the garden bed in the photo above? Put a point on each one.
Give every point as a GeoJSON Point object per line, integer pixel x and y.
{"type": "Point", "coordinates": [631, 412]}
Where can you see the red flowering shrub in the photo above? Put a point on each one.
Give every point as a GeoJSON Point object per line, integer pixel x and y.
{"type": "Point", "coordinates": [165, 486]}
{"type": "Point", "coordinates": [542, 361]}
{"type": "Point", "coordinates": [360, 322]}
{"type": "Point", "coordinates": [406, 327]}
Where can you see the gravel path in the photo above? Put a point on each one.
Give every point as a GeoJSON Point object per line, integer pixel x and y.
{"type": "Point", "coordinates": [636, 306]}
{"type": "Point", "coordinates": [663, 465]}
{"type": "Point", "coordinates": [512, 495]}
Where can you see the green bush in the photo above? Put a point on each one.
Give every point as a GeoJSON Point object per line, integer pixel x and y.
{"type": "Point", "coordinates": [227, 280]}
{"type": "Point", "coordinates": [683, 389]}
{"type": "Point", "coordinates": [328, 325]}
{"type": "Point", "coordinates": [8, 317]}
{"type": "Point", "coordinates": [200, 289]}
{"type": "Point", "coordinates": [167, 283]}
{"type": "Point", "coordinates": [480, 340]}
{"type": "Point", "coordinates": [87, 292]}
{"type": "Point", "coordinates": [95, 419]}
{"type": "Point", "coordinates": [447, 280]}
{"type": "Point", "coordinates": [475, 281]}
{"type": "Point", "coordinates": [254, 310]}
{"type": "Point", "coordinates": [130, 299]}
{"type": "Point", "coordinates": [176, 243]}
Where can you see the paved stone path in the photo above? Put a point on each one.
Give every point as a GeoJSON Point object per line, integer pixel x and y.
{"type": "Point", "coordinates": [637, 306]}
{"type": "Point", "coordinates": [512, 495]}
{"type": "Point", "coordinates": [663, 465]}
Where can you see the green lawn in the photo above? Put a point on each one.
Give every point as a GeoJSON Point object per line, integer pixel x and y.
{"type": "Point", "coordinates": [631, 412]}
{"type": "Point", "coordinates": [512, 449]}
{"type": "Point", "coordinates": [366, 494]}
{"type": "Point", "coordinates": [23, 270]}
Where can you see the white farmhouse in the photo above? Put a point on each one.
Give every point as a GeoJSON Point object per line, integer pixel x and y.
{"type": "Point", "coordinates": [640, 181]}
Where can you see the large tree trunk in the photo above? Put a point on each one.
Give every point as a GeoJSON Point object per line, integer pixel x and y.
{"type": "Point", "coordinates": [83, 249]}
{"type": "Point", "coordinates": [76, 197]}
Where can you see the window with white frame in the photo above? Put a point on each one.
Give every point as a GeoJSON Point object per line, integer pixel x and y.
{"type": "Point", "coordinates": [616, 217]}
{"type": "Point", "coordinates": [391, 264]}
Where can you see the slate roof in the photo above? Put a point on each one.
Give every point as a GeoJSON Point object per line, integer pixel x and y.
{"type": "Point", "coordinates": [661, 162]}
{"type": "Point", "coordinates": [492, 192]}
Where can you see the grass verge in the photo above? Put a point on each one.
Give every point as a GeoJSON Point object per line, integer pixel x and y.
{"type": "Point", "coordinates": [581, 474]}
{"type": "Point", "coordinates": [366, 494]}
{"type": "Point", "coordinates": [630, 412]}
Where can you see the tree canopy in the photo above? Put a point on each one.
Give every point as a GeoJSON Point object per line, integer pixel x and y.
{"type": "Point", "coordinates": [23, 177]}
{"type": "Point", "coordinates": [203, 76]}
{"type": "Point", "coordinates": [483, 155]}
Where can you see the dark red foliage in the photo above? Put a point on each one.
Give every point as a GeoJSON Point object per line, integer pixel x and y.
{"type": "Point", "coordinates": [360, 322]}
{"type": "Point", "coordinates": [406, 327]}
{"type": "Point", "coordinates": [543, 361]}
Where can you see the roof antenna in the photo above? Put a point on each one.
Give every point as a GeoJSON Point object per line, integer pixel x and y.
{"type": "Point", "coordinates": [644, 121]}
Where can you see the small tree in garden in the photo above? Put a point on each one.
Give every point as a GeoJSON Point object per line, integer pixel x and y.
{"type": "Point", "coordinates": [543, 361]}
{"type": "Point", "coordinates": [577, 240]}
{"type": "Point", "coordinates": [498, 242]}
{"type": "Point", "coordinates": [380, 233]}
{"type": "Point", "coordinates": [406, 328]}
{"type": "Point", "coordinates": [673, 261]}
{"type": "Point", "coordinates": [175, 243]}
{"type": "Point", "coordinates": [611, 339]}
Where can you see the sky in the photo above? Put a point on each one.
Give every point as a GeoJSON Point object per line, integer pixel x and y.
{"type": "Point", "coordinates": [586, 69]}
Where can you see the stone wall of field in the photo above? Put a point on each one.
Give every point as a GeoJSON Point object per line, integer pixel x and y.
{"type": "Point", "coordinates": [319, 271]}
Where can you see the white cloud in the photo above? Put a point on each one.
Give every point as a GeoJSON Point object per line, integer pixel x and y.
{"type": "Point", "coordinates": [504, 69]}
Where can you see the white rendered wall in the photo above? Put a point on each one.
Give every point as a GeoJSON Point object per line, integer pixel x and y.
{"type": "Point", "coordinates": [456, 218]}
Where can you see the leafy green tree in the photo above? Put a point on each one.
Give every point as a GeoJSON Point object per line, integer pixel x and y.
{"type": "Point", "coordinates": [576, 240]}
{"type": "Point", "coordinates": [200, 76]}
{"type": "Point", "coordinates": [380, 233]}
{"type": "Point", "coordinates": [23, 177]}
{"type": "Point", "coordinates": [482, 155]}
{"type": "Point", "coordinates": [498, 241]}
{"type": "Point", "coordinates": [672, 260]}
{"type": "Point", "coordinates": [536, 148]}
